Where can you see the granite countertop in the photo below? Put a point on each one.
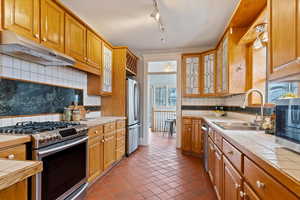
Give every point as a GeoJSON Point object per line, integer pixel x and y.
{"type": "Point", "coordinates": [100, 120]}
{"type": "Point", "coordinates": [14, 171]}
{"type": "Point", "coordinates": [11, 140]}
{"type": "Point", "coordinates": [262, 146]}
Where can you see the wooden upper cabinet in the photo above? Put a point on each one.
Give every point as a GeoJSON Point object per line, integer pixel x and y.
{"type": "Point", "coordinates": [284, 38]}
{"type": "Point", "coordinates": [23, 17]}
{"type": "Point", "coordinates": [191, 75]}
{"type": "Point", "coordinates": [93, 49]}
{"type": "Point", "coordinates": [107, 70]}
{"type": "Point", "coordinates": [208, 75]}
{"type": "Point", "coordinates": [75, 40]}
{"type": "Point", "coordinates": [52, 25]}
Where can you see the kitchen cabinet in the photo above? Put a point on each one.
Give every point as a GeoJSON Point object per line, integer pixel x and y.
{"type": "Point", "coordinates": [125, 63]}
{"type": "Point", "coordinates": [95, 149]}
{"type": "Point", "coordinates": [211, 160]}
{"type": "Point", "coordinates": [248, 193]}
{"type": "Point", "coordinates": [232, 181]}
{"type": "Point", "coordinates": [208, 74]}
{"type": "Point", "coordinates": [75, 40]}
{"type": "Point", "coordinates": [197, 137]}
{"type": "Point", "coordinates": [18, 190]}
{"type": "Point", "coordinates": [231, 64]}
{"type": "Point", "coordinates": [109, 144]}
{"type": "Point", "coordinates": [107, 70]}
{"type": "Point", "coordinates": [218, 174]}
{"type": "Point", "coordinates": [52, 25]}
{"type": "Point", "coordinates": [191, 75]}
{"type": "Point", "coordinates": [192, 137]}
{"type": "Point", "coordinates": [93, 54]}
{"type": "Point", "coordinates": [186, 138]}
{"type": "Point", "coordinates": [95, 152]}
{"type": "Point", "coordinates": [284, 48]}
{"type": "Point", "coordinates": [22, 17]}
{"type": "Point", "coordinates": [120, 140]}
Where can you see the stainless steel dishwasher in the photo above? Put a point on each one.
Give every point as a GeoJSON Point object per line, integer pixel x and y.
{"type": "Point", "coordinates": [205, 129]}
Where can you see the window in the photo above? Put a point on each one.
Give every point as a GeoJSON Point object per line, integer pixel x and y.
{"type": "Point", "coordinates": [282, 90]}
{"type": "Point", "coordinates": [164, 96]}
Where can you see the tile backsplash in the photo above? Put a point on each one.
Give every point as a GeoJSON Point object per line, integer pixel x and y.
{"type": "Point", "coordinates": [57, 75]}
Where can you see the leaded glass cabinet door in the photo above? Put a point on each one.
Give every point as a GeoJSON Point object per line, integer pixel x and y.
{"type": "Point", "coordinates": [225, 66]}
{"type": "Point", "coordinates": [191, 75]}
{"type": "Point", "coordinates": [107, 70]}
{"type": "Point", "coordinates": [219, 69]}
{"type": "Point", "coordinates": [209, 73]}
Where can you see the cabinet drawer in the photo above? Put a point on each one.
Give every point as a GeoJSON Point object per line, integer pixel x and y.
{"type": "Point", "coordinates": [218, 139]}
{"type": "Point", "coordinates": [16, 153]}
{"type": "Point", "coordinates": [120, 124]}
{"type": "Point", "coordinates": [264, 185]}
{"type": "Point", "coordinates": [95, 131]}
{"type": "Point", "coordinates": [187, 120]}
{"type": "Point", "coordinates": [109, 127]}
{"type": "Point", "coordinates": [233, 155]}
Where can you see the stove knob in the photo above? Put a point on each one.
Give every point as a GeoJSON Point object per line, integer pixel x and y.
{"type": "Point", "coordinates": [42, 139]}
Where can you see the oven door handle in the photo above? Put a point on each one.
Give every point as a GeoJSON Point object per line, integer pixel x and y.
{"type": "Point", "coordinates": [60, 148]}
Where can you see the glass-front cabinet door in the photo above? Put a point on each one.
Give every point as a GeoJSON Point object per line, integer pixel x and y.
{"type": "Point", "coordinates": [209, 73]}
{"type": "Point", "coordinates": [107, 70]}
{"type": "Point", "coordinates": [191, 75]}
{"type": "Point", "coordinates": [219, 68]}
{"type": "Point", "coordinates": [225, 64]}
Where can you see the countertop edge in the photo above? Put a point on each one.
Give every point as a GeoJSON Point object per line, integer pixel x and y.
{"type": "Point", "coordinates": [14, 141]}
{"type": "Point", "coordinates": [21, 174]}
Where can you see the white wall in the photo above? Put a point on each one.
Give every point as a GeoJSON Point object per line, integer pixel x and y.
{"type": "Point", "coordinates": [63, 76]}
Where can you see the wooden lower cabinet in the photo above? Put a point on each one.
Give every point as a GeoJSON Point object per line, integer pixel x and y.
{"type": "Point", "coordinates": [109, 149]}
{"type": "Point", "coordinates": [218, 174]}
{"type": "Point", "coordinates": [120, 144]}
{"type": "Point", "coordinates": [236, 177]}
{"type": "Point", "coordinates": [192, 136]}
{"type": "Point", "coordinates": [18, 190]}
{"type": "Point", "coordinates": [248, 193]}
{"type": "Point", "coordinates": [211, 161]}
{"type": "Point", "coordinates": [232, 181]}
{"type": "Point", "coordinates": [95, 153]}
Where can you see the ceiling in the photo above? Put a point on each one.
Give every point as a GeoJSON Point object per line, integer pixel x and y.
{"type": "Point", "coordinates": [188, 23]}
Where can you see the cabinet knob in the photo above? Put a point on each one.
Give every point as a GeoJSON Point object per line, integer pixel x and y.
{"type": "Point", "coordinates": [36, 35]}
{"type": "Point", "coordinates": [85, 58]}
{"type": "Point", "coordinates": [242, 194]}
{"type": "Point", "coordinates": [102, 140]}
{"type": "Point", "coordinates": [11, 156]}
{"type": "Point", "coordinates": [45, 39]}
{"type": "Point", "coordinates": [96, 132]}
{"type": "Point", "coordinates": [260, 184]}
{"type": "Point", "coordinates": [237, 186]}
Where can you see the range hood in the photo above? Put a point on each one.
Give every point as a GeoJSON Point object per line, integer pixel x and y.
{"type": "Point", "coordinates": [22, 48]}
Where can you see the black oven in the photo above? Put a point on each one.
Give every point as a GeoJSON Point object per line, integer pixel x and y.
{"type": "Point", "coordinates": [64, 170]}
{"type": "Point", "coordinates": [288, 119]}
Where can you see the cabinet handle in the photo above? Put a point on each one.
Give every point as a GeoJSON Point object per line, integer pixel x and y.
{"type": "Point", "coordinates": [45, 39]}
{"type": "Point", "coordinates": [36, 35]}
{"type": "Point", "coordinates": [11, 156]}
{"type": "Point", "coordinates": [242, 194]}
{"type": "Point", "coordinates": [237, 186]}
{"type": "Point", "coordinates": [260, 184]}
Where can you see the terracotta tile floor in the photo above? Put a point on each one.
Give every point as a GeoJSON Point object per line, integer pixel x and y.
{"type": "Point", "coordinates": [157, 172]}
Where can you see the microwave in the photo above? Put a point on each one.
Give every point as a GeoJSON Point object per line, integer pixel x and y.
{"type": "Point", "coordinates": [288, 122]}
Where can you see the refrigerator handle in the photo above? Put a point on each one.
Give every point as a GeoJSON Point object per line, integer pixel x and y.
{"type": "Point", "coordinates": [135, 101]}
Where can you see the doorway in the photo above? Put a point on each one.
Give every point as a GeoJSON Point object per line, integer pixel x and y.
{"type": "Point", "coordinates": [162, 99]}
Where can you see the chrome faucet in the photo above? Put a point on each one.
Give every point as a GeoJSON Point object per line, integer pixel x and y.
{"type": "Point", "coordinates": [262, 101]}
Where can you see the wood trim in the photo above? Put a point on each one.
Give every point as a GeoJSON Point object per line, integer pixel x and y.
{"type": "Point", "coordinates": [87, 68]}
{"type": "Point", "coordinates": [3, 77]}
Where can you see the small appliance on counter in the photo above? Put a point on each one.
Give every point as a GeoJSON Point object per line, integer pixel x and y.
{"type": "Point", "coordinates": [288, 123]}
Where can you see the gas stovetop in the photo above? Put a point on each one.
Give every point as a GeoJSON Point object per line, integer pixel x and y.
{"type": "Point", "coordinates": [46, 133]}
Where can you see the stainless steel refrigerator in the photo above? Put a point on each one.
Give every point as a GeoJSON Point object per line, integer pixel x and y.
{"type": "Point", "coordinates": [133, 116]}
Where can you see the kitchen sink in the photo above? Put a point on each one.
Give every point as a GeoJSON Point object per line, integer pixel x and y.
{"type": "Point", "coordinates": [243, 126]}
